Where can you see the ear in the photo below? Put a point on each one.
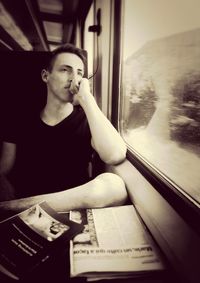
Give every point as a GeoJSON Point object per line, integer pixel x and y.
{"type": "Point", "coordinates": [45, 75]}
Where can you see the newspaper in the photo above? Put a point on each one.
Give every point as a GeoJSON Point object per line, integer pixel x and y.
{"type": "Point", "coordinates": [114, 242]}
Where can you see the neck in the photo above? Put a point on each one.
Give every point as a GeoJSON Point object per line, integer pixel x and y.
{"type": "Point", "coordinates": [54, 113]}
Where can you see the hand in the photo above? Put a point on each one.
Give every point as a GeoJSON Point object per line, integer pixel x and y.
{"type": "Point", "coordinates": [81, 94]}
{"type": "Point", "coordinates": [74, 88]}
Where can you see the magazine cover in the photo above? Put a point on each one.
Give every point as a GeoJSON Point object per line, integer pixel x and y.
{"type": "Point", "coordinates": [31, 237]}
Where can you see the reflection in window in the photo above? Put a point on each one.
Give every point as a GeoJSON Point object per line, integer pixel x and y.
{"type": "Point", "coordinates": [160, 115]}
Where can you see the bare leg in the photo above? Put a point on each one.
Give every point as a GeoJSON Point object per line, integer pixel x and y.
{"type": "Point", "coordinates": [107, 189]}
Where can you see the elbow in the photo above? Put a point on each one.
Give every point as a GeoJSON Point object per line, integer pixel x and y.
{"type": "Point", "coordinates": [116, 157]}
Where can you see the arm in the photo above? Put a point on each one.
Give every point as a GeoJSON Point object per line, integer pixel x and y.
{"type": "Point", "coordinates": [7, 160]}
{"type": "Point", "coordinates": [105, 138]}
{"type": "Point", "coordinates": [107, 189]}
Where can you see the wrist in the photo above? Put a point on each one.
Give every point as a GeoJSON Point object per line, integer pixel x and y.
{"type": "Point", "coordinates": [87, 100]}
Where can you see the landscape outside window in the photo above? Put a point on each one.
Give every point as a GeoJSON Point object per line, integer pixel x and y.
{"type": "Point", "coordinates": [160, 97]}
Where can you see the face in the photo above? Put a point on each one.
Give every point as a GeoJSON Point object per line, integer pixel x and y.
{"type": "Point", "coordinates": [65, 76]}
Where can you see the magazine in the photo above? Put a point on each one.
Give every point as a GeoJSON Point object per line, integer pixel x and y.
{"type": "Point", "coordinates": [114, 244]}
{"type": "Point", "coordinates": [31, 237]}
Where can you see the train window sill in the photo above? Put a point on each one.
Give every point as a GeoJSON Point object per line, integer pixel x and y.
{"type": "Point", "coordinates": [176, 238]}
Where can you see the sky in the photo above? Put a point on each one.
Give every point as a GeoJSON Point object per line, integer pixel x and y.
{"type": "Point", "coordinates": [145, 20]}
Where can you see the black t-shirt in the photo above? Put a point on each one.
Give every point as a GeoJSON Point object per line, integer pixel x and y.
{"type": "Point", "coordinates": [50, 158]}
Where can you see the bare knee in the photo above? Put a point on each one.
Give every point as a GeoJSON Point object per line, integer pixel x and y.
{"type": "Point", "coordinates": [109, 190]}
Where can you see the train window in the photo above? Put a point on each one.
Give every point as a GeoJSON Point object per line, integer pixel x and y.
{"type": "Point", "coordinates": [160, 88]}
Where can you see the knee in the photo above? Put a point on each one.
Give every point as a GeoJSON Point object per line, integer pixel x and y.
{"type": "Point", "coordinates": [110, 190]}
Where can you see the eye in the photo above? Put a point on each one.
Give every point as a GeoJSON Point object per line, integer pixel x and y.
{"type": "Point", "coordinates": [80, 74]}
{"type": "Point", "coordinates": [65, 69]}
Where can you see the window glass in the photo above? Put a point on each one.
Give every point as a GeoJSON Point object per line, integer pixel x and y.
{"type": "Point", "coordinates": [160, 89]}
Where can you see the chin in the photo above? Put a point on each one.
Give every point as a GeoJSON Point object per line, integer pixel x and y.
{"type": "Point", "coordinates": [75, 102]}
{"type": "Point", "coordinates": [67, 100]}
{"type": "Point", "coordinates": [67, 97]}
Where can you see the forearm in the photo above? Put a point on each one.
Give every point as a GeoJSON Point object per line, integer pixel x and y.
{"type": "Point", "coordinates": [105, 138]}
{"type": "Point", "coordinates": [107, 141]}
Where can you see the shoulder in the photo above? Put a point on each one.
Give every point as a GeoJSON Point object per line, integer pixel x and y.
{"type": "Point", "coordinates": [79, 122]}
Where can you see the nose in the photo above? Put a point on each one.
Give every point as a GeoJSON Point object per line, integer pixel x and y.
{"type": "Point", "coordinates": [74, 79]}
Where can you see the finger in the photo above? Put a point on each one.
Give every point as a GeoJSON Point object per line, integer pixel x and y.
{"type": "Point", "coordinates": [73, 88]}
{"type": "Point", "coordinates": [84, 84]}
{"type": "Point", "coordinates": [75, 100]}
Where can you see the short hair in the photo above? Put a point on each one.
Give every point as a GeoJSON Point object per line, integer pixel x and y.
{"type": "Point", "coordinates": [66, 48]}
